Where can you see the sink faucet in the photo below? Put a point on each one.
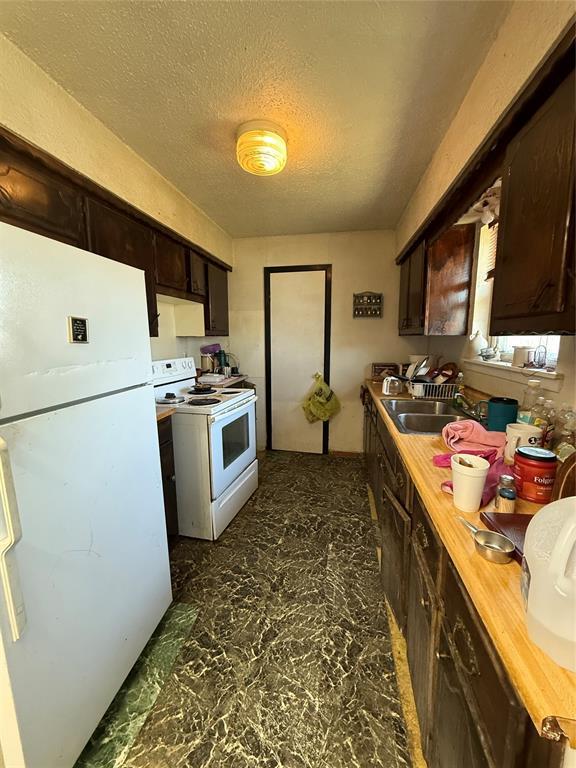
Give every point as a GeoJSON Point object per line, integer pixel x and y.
{"type": "Point", "coordinates": [470, 409]}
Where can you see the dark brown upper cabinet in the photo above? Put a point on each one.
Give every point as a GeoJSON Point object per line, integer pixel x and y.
{"type": "Point", "coordinates": [449, 258]}
{"type": "Point", "coordinates": [197, 275]}
{"type": "Point", "coordinates": [534, 278]}
{"type": "Point", "coordinates": [33, 198]}
{"type": "Point", "coordinates": [412, 293]}
{"type": "Point", "coordinates": [121, 238]}
{"type": "Point", "coordinates": [171, 271]}
{"type": "Point", "coordinates": [216, 307]}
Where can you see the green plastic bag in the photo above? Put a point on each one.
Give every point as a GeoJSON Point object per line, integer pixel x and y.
{"type": "Point", "coordinates": [321, 403]}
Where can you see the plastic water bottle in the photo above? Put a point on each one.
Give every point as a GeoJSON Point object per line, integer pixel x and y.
{"type": "Point", "coordinates": [531, 394]}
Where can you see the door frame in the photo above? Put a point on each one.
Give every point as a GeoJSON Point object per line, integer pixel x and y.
{"type": "Point", "coordinates": [327, 269]}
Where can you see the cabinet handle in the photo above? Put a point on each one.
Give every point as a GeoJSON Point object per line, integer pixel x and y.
{"type": "Point", "coordinates": [420, 536]}
{"type": "Point", "coordinates": [424, 603]}
{"type": "Point", "coordinates": [440, 656]}
{"type": "Point", "coordinates": [471, 667]}
{"type": "Point", "coordinates": [172, 478]}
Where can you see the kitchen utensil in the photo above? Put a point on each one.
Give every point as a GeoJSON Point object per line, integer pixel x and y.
{"type": "Point", "coordinates": [488, 353]}
{"type": "Point", "coordinates": [206, 363]}
{"type": "Point", "coordinates": [415, 369]}
{"type": "Point", "coordinates": [549, 580]}
{"type": "Point", "coordinates": [392, 386]}
{"type": "Point", "coordinates": [464, 462]}
{"type": "Point", "coordinates": [445, 374]}
{"type": "Point", "coordinates": [520, 434]}
{"type": "Point", "coordinates": [491, 545]}
{"type": "Point", "coordinates": [422, 367]}
{"type": "Point", "coordinates": [522, 356]}
{"type": "Point", "coordinates": [499, 411]}
{"type": "Point", "coordinates": [468, 482]}
{"type": "Point", "coordinates": [210, 349]}
{"type": "Point", "coordinates": [221, 359]}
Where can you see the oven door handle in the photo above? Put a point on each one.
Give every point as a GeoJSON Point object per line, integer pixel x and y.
{"type": "Point", "coordinates": [240, 407]}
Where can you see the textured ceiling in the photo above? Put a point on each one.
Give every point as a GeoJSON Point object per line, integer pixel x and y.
{"type": "Point", "coordinates": [365, 91]}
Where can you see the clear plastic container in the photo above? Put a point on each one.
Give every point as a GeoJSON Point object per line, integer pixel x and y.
{"type": "Point", "coordinates": [538, 413]}
{"type": "Point", "coordinates": [548, 431]}
{"type": "Point", "coordinates": [531, 394]}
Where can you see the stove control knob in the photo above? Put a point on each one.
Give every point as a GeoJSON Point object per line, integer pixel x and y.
{"type": "Point", "coordinates": [190, 364]}
{"type": "Point", "coordinates": [184, 364]}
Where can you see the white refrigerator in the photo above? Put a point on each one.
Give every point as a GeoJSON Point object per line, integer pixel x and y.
{"type": "Point", "coordinates": [84, 573]}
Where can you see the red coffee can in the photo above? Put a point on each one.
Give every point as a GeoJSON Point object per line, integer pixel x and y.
{"type": "Point", "coordinates": [534, 472]}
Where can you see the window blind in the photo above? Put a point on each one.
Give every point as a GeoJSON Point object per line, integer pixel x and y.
{"type": "Point", "coordinates": [491, 258]}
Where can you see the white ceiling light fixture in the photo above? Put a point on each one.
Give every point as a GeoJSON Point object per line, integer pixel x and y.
{"type": "Point", "coordinates": [261, 147]}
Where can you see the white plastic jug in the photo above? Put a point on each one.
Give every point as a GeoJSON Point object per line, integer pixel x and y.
{"type": "Point", "coordinates": [549, 580]}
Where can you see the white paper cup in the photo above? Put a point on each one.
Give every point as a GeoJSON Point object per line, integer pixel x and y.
{"type": "Point", "coordinates": [520, 434]}
{"type": "Point", "coordinates": [468, 482]}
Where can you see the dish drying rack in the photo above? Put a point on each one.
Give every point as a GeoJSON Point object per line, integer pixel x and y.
{"type": "Point", "coordinates": [422, 391]}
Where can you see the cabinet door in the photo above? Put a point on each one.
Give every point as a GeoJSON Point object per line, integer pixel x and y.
{"type": "Point", "coordinates": [403, 299]}
{"type": "Point", "coordinates": [417, 290]}
{"type": "Point", "coordinates": [450, 258]}
{"type": "Point", "coordinates": [33, 198]}
{"type": "Point", "coordinates": [217, 305]}
{"type": "Point", "coordinates": [421, 624]}
{"type": "Point", "coordinates": [498, 714]}
{"type": "Point", "coordinates": [425, 538]}
{"type": "Point", "coordinates": [413, 293]}
{"type": "Point", "coordinates": [534, 278]}
{"type": "Point", "coordinates": [453, 739]}
{"type": "Point", "coordinates": [395, 538]}
{"type": "Point", "coordinates": [169, 487]}
{"type": "Point", "coordinates": [171, 270]}
{"type": "Point", "coordinates": [118, 237]}
{"type": "Point", "coordinates": [197, 274]}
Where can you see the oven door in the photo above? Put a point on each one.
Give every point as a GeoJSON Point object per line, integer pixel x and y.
{"type": "Point", "coordinates": [232, 444]}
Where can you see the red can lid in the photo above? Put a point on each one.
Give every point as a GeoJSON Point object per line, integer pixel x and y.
{"type": "Point", "coordinates": [536, 454]}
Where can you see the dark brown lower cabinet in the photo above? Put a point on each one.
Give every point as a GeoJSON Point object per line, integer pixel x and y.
{"type": "Point", "coordinates": [421, 629]}
{"type": "Point", "coordinates": [395, 535]}
{"type": "Point", "coordinates": [168, 475]}
{"type": "Point", "coordinates": [469, 714]}
{"type": "Point", "coordinates": [453, 738]}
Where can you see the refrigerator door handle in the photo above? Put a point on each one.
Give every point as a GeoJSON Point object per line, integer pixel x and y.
{"type": "Point", "coordinates": [10, 535]}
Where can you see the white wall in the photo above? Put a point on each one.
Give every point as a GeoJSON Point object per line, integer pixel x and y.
{"type": "Point", "coordinates": [360, 261]}
{"type": "Point", "coordinates": [527, 34]}
{"type": "Point", "coordinates": [36, 108]}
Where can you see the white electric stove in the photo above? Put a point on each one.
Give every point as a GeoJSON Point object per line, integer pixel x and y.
{"type": "Point", "coordinates": [214, 435]}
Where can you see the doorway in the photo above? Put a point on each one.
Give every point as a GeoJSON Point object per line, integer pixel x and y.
{"type": "Point", "coordinates": [297, 320]}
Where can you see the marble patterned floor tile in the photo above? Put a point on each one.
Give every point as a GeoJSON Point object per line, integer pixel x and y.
{"type": "Point", "coordinates": [124, 718]}
{"type": "Point", "coordinates": [289, 663]}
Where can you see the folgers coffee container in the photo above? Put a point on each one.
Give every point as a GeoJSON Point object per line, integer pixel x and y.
{"type": "Point", "coordinates": [534, 473]}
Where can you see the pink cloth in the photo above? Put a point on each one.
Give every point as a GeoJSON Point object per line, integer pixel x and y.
{"type": "Point", "coordinates": [468, 435]}
{"type": "Point", "coordinates": [445, 459]}
{"type": "Point", "coordinates": [492, 478]}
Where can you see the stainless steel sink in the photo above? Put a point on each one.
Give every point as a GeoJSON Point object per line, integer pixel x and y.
{"type": "Point", "coordinates": [423, 417]}
{"type": "Point", "coordinates": [420, 406]}
{"type": "Point", "coordinates": [425, 423]}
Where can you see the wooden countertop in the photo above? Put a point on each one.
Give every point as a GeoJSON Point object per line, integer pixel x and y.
{"type": "Point", "coordinates": [164, 412]}
{"type": "Point", "coordinates": [231, 381]}
{"type": "Point", "coordinates": [547, 691]}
